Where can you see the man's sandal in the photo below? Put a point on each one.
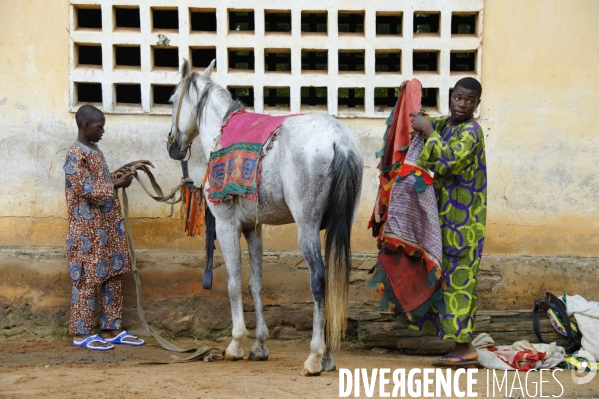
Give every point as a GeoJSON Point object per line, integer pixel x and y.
{"type": "Point", "coordinates": [463, 363]}
{"type": "Point", "coordinates": [120, 339]}
{"type": "Point", "coordinates": [86, 343]}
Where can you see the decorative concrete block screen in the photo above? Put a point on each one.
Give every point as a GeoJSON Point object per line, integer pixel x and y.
{"type": "Point", "coordinates": [344, 57]}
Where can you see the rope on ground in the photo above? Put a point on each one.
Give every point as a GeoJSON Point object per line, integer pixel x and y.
{"type": "Point", "coordinates": [205, 353]}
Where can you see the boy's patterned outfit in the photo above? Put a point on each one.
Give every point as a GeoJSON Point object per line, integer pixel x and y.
{"type": "Point", "coordinates": [96, 248]}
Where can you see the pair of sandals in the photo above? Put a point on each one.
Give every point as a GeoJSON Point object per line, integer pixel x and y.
{"type": "Point", "coordinates": [119, 340]}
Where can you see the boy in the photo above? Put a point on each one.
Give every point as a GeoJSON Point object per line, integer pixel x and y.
{"type": "Point", "coordinates": [455, 152]}
{"type": "Point", "coordinates": [96, 248]}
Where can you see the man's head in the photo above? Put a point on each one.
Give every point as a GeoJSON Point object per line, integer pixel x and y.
{"type": "Point", "coordinates": [464, 99]}
{"type": "Point", "coordinates": [90, 121]}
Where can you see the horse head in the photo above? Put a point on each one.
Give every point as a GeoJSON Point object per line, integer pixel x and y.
{"type": "Point", "coordinates": [184, 128]}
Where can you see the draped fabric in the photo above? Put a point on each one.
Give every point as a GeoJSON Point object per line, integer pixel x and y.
{"type": "Point", "coordinates": [395, 148]}
{"type": "Point", "coordinates": [408, 269]}
{"type": "Point", "coordinates": [412, 252]}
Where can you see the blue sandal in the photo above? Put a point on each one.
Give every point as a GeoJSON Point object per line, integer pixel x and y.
{"type": "Point", "coordinates": [119, 339]}
{"type": "Point", "coordinates": [462, 363]}
{"type": "Point", "coordinates": [94, 338]}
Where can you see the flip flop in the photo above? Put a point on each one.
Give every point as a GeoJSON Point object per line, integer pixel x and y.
{"type": "Point", "coordinates": [119, 339]}
{"type": "Point", "coordinates": [94, 338]}
{"type": "Point", "coordinates": [463, 363]}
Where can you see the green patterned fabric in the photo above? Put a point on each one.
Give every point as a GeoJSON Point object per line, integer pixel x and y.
{"type": "Point", "coordinates": [456, 154]}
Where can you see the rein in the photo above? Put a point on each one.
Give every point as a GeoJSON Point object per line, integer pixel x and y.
{"type": "Point", "coordinates": [204, 353]}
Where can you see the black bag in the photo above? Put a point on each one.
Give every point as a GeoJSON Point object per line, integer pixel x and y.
{"type": "Point", "coordinates": [552, 302]}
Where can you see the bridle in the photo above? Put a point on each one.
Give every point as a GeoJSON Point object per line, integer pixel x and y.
{"type": "Point", "coordinates": [176, 134]}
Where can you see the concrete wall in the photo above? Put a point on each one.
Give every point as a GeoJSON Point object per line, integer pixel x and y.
{"type": "Point", "coordinates": [539, 112]}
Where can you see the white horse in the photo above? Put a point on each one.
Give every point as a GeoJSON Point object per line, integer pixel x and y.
{"type": "Point", "coordinates": [312, 176]}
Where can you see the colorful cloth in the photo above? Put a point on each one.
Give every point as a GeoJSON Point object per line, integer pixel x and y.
{"type": "Point", "coordinates": [83, 302]}
{"type": "Point", "coordinates": [580, 363]}
{"type": "Point", "coordinates": [408, 270]}
{"type": "Point", "coordinates": [395, 147]}
{"type": "Point", "coordinates": [521, 355]}
{"type": "Point", "coordinates": [96, 245]}
{"type": "Point", "coordinates": [456, 155]}
{"type": "Point", "coordinates": [411, 257]}
{"type": "Point", "coordinates": [234, 165]}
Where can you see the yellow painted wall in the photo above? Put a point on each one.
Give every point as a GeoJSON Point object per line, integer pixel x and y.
{"type": "Point", "coordinates": [539, 112]}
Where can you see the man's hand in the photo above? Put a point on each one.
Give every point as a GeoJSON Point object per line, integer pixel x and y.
{"type": "Point", "coordinates": [402, 86]}
{"type": "Point", "coordinates": [124, 181]}
{"type": "Point", "coordinates": [421, 124]}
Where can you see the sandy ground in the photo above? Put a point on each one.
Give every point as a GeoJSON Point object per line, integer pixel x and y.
{"type": "Point", "coordinates": [52, 368]}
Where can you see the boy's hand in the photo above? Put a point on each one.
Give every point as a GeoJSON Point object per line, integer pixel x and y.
{"type": "Point", "coordinates": [124, 181]}
{"type": "Point", "coordinates": [402, 86]}
{"type": "Point", "coordinates": [144, 162]}
{"type": "Point", "coordinates": [422, 124]}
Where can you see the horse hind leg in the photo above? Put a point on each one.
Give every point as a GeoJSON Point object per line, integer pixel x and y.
{"type": "Point", "coordinates": [228, 237]}
{"type": "Point", "coordinates": [328, 361]}
{"type": "Point", "coordinates": [255, 249]}
{"type": "Point", "coordinates": [309, 243]}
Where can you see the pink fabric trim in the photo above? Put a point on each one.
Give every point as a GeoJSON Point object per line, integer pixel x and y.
{"type": "Point", "coordinates": [249, 127]}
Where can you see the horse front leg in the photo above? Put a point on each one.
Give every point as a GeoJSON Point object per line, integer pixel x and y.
{"type": "Point", "coordinates": [255, 249]}
{"type": "Point", "coordinates": [309, 244]}
{"type": "Point", "coordinates": [228, 236]}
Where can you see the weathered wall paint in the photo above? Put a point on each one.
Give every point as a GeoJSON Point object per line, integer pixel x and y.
{"type": "Point", "coordinates": [539, 112]}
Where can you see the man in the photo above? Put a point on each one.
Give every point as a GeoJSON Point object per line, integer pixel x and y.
{"type": "Point", "coordinates": [455, 151]}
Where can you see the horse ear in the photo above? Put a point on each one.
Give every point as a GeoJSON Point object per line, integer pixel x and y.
{"type": "Point", "coordinates": [208, 70]}
{"type": "Point", "coordinates": [185, 68]}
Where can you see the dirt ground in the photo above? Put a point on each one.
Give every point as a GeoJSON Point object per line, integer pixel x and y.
{"type": "Point", "coordinates": [51, 368]}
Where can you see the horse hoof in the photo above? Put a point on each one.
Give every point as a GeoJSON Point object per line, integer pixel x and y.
{"type": "Point", "coordinates": [328, 364]}
{"type": "Point", "coordinates": [253, 356]}
{"type": "Point", "coordinates": [306, 373]}
{"type": "Point", "coordinates": [232, 358]}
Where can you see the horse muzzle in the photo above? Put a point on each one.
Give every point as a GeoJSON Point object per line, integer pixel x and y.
{"type": "Point", "coordinates": [174, 151]}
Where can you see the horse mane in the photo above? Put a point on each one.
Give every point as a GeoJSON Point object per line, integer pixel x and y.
{"type": "Point", "coordinates": [191, 81]}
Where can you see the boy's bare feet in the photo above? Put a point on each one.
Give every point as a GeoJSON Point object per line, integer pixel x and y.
{"type": "Point", "coordinates": [97, 344]}
{"type": "Point", "coordinates": [109, 334]}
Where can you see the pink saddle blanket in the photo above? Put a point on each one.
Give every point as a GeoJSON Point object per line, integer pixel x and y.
{"type": "Point", "coordinates": [234, 166]}
{"type": "Point", "coordinates": [249, 127]}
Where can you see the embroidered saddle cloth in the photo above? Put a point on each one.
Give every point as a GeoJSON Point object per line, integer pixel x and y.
{"type": "Point", "coordinates": [234, 165]}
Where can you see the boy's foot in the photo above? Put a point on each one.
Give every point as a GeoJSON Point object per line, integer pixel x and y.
{"type": "Point", "coordinates": [121, 337]}
{"type": "Point", "coordinates": [463, 355]}
{"type": "Point", "coordinates": [464, 351]}
{"type": "Point", "coordinates": [91, 341]}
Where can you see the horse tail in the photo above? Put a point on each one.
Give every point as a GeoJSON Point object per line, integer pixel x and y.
{"type": "Point", "coordinates": [346, 177]}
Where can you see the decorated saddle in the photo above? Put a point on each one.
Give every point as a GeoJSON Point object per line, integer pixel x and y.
{"type": "Point", "coordinates": [234, 165]}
